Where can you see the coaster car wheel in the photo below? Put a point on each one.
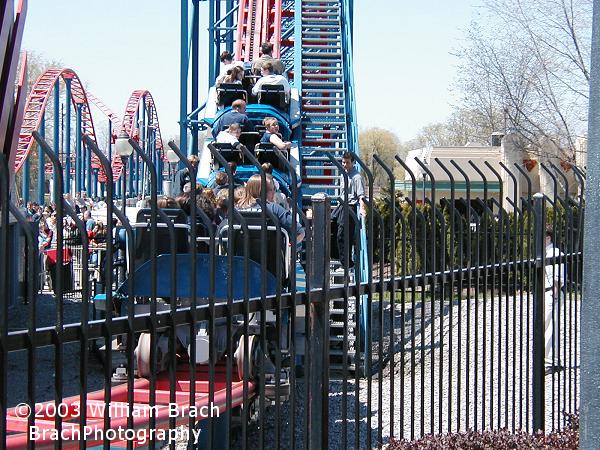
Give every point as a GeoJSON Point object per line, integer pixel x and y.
{"type": "Point", "coordinates": [240, 355]}
{"type": "Point", "coordinates": [142, 354]}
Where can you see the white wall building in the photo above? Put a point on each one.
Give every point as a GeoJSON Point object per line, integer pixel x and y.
{"type": "Point", "coordinates": [477, 168]}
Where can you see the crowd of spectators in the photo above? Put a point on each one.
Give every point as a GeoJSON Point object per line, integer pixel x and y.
{"type": "Point", "coordinates": [44, 219]}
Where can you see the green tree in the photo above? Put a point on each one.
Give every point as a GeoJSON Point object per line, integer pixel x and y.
{"type": "Point", "coordinates": [384, 144]}
{"type": "Point", "coordinates": [36, 65]}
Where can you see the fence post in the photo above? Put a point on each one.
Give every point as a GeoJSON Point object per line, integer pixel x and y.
{"type": "Point", "coordinates": [590, 310]}
{"type": "Point", "coordinates": [318, 403]}
{"type": "Point", "coordinates": [538, 317]}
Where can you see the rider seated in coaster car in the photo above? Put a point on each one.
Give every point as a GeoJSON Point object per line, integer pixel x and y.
{"type": "Point", "coordinates": [228, 142]}
{"type": "Point", "coordinates": [228, 65]}
{"type": "Point", "coordinates": [237, 114]}
{"type": "Point", "coordinates": [266, 50]}
{"type": "Point", "coordinates": [272, 89]}
{"type": "Point", "coordinates": [273, 136]}
{"type": "Point", "coordinates": [270, 139]}
{"type": "Point", "coordinates": [252, 200]}
{"type": "Point", "coordinates": [230, 86]}
{"type": "Point", "coordinates": [231, 135]}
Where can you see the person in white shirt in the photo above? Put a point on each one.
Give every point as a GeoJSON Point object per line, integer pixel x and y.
{"type": "Point", "coordinates": [228, 64]}
{"type": "Point", "coordinates": [553, 281]}
{"type": "Point", "coordinates": [231, 135]}
{"type": "Point", "coordinates": [269, 78]}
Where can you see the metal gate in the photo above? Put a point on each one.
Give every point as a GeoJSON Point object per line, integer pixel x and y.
{"type": "Point", "coordinates": [464, 315]}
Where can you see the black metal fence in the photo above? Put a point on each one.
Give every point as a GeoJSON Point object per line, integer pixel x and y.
{"type": "Point", "coordinates": [461, 312]}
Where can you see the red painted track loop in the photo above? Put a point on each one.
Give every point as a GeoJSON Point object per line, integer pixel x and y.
{"type": "Point", "coordinates": [258, 21]}
{"type": "Point", "coordinates": [116, 121]}
{"type": "Point", "coordinates": [136, 100]}
{"type": "Point", "coordinates": [36, 106]}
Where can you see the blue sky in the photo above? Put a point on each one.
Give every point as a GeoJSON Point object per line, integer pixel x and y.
{"type": "Point", "coordinates": [402, 60]}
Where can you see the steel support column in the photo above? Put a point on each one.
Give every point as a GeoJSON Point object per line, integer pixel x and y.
{"type": "Point", "coordinates": [136, 181]}
{"type": "Point", "coordinates": [183, 75]}
{"type": "Point", "coordinates": [590, 312]}
{"type": "Point", "coordinates": [41, 168]}
{"type": "Point", "coordinates": [538, 317]}
{"type": "Point", "coordinates": [212, 70]}
{"type": "Point", "coordinates": [195, 60]}
{"type": "Point", "coordinates": [109, 154]}
{"type": "Point", "coordinates": [67, 132]}
{"type": "Point", "coordinates": [229, 24]}
{"type": "Point", "coordinates": [56, 141]}
{"type": "Point", "coordinates": [26, 175]}
{"type": "Point", "coordinates": [318, 403]}
{"type": "Point", "coordinates": [88, 167]}
{"type": "Point", "coordinates": [217, 41]}
{"type": "Point", "coordinates": [78, 162]}
{"type": "Point", "coordinates": [129, 190]}
{"type": "Point", "coordinates": [95, 183]}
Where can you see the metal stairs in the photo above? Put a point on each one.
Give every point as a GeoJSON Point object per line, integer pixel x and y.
{"type": "Point", "coordinates": [325, 103]}
{"type": "Point", "coordinates": [323, 95]}
{"type": "Point", "coordinates": [341, 317]}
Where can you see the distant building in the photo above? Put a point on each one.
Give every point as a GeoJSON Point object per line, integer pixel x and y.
{"type": "Point", "coordinates": [479, 169]}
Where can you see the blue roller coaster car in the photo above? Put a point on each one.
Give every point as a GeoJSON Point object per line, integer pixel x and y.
{"type": "Point", "coordinates": [270, 102]}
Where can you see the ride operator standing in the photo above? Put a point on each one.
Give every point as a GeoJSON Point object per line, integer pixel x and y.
{"type": "Point", "coordinates": [356, 194]}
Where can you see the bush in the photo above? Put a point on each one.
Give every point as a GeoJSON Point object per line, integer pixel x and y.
{"type": "Point", "coordinates": [426, 237]}
{"type": "Point", "coordinates": [501, 439]}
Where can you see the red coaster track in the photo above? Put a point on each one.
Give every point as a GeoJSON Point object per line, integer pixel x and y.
{"type": "Point", "coordinates": [258, 21]}
{"type": "Point", "coordinates": [36, 106]}
{"type": "Point", "coordinates": [136, 100]}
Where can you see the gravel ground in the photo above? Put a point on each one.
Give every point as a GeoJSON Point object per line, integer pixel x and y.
{"type": "Point", "coordinates": [442, 381]}
{"type": "Point", "coordinates": [45, 366]}
{"type": "Point", "coordinates": [439, 381]}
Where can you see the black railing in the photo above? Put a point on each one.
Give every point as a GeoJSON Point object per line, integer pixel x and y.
{"type": "Point", "coordinates": [466, 315]}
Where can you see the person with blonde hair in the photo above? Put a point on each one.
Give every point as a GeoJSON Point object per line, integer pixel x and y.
{"type": "Point", "coordinates": [272, 135]}
{"type": "Point", "coordinates": [252, 200]}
